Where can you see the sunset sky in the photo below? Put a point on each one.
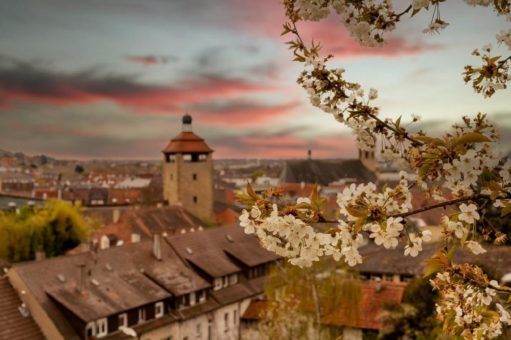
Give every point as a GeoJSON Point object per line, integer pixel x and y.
{"type": "Point", "coordinates": [111, 78]}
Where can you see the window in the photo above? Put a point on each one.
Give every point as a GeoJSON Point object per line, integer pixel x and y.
{"type": "Point", "coordinates": [226, 322]}
{"type": "Point", "coordinates": [202, 296]}
{"type": "Point", "coordinates": [102, 327]}
{"type": "Point", "coordinates": [234, 317]}
{"type": "Point", "coordinates": [90, 330]}
{"type": "Point", "coordinates": [202, 157]}
{"type": "Point", "coordinates": [233, 279]}
{"type": "Point", "coordinates": [192, 299]}
{"type": "Point", "coordinates": [187, 157]}
{"type": "Point", "coordinates": [194, 176]}
{"type": "Point", "coordinates": [198, 329]}
{"type": "Point", "coordinates": [159, 310]}
{"type": "Point", "coordinates": [194, 199]}
{"type": "Point", "coordinates": [141, 315]}
{"type": "Point", "coordinates": [217, 283]}
{"type": "Point", "coordinates": [210, 326]}
{"type": "Point", "coordinates": [123, 320]}
{"type": "Point", "coordinates": [226, 281]}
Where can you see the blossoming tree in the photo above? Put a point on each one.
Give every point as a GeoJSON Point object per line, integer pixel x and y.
{"type": "Point", "coordinates": [461, 170]}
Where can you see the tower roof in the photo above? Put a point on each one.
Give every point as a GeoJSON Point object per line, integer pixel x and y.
{"type": "Point", "coordinates": [187, 142]}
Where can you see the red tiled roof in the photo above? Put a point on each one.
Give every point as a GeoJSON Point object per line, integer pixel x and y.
{"type": "Point", "coordinates": [369, 310]}
{"type": "Point", "coordinates": [149, 221]}
{"type": "Point", "coordinates": [14, 325]}
{"type": "Point", "coordinates": [371, 305]}
{"type": "Point", "coordinates": [255, 310]}
{"type": "Point", "coordinates": [187, 142]}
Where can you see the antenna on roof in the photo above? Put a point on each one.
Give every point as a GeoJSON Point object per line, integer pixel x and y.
{"type": "Point", "coordinates": [81, 281]}
{"type": "Point", "coordinates": [24, 310]}
{"type": "Point", "coordinates": [157, 246]}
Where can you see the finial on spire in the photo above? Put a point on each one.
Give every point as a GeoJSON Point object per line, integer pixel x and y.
{"type": "Point", "coordinates": [187, 123]}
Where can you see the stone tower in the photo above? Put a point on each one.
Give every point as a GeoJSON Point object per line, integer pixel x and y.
{"type": "Point", "coordinates": [188, 172]}
{"type": "Point", "coordinates": [367, 158]}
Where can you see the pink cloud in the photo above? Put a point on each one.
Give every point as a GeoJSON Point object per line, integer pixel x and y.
{"type": "Point", "coordinates": [331, 33]}
{"type": "Point", "coordinates": [150, 60]}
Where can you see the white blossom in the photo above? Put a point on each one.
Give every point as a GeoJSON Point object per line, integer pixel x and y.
{"type": "Point", "coordinates": [475, 247]}
{"type": "Point", "coordinates": [468, 213]}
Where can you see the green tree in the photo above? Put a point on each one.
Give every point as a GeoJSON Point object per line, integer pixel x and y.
{"type": "Point", "coordinates": [415, 317]}
{"type": "Point", "coordinates": [299, 298]}
{"type": "Point", "coordinates": [54, 228]}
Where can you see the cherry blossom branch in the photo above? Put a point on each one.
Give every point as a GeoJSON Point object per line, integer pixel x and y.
{"type": "Point", "coordinates": [438, 205]}
{"type": "Point", "coordinates": [402, 133]}
{"type": "Point", "coordinates": [408, 9]}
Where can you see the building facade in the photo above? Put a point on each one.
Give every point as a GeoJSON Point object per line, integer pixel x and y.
{"type": "Point", "coordinates": [180, 287]}
{"type": "Point", "coordinates": [188, 173]}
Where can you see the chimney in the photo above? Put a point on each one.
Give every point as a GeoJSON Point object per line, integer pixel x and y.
{"type": "Point", "coordinates": [116, 214]}
{"type": "Point", "coordinates": [11, 206]}
{"type": "Point", "coordinates": [157, 246]}
{"type": "Point", "coordinates": [378, 284]}
{"type": "Point", "coordinates": [309, 154]}
{"type": "Point", "coordinates": [81, 279]}
{"type": "Point", "coordinates": [40, 255]}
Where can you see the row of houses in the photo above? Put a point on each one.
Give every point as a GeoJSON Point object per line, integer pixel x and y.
{"type": "Point", "coordinates": [186, 286]}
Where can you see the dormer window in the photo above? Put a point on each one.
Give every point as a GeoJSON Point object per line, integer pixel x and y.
{"type": "Point", "coordinates": [233, 279]}
{"type": "Point", "coordinates": [141, 315]}
{"type": "Point", "coordinates": [90, 330]}
{"type": "Point", "coordinates": [159, 310]}
{"type": "Point", "coordinates": [102, 327]}
{"type": "Point", "coordinates": [192, 298]}
{"type": "Point", "coordinates": [123, 320]}
{"type": "Point", "coordinates": [217, 283]}
{"type": "Point", "coordinates": [202, 296]}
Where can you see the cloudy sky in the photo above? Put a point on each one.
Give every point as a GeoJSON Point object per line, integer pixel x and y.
{"type": "Point", "coordinates": [111, 78]}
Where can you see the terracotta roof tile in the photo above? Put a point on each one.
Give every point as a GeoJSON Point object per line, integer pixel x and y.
{"type": "Point", "coordinates": [371, 305]}
{"type": "Point", "coordinates": [15, 326]}
{"type": "Point", "coordinates": [187, 142]}
{"type": "Point", "coordinates": [369, 309]}
{"type": "Point", "coordinates": [149, 221]}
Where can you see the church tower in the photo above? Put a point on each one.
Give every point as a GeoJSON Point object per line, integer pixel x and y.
{"type": "Point", "coordinates": [188, 172]}
{"type": "Point", "coordinates": [368, 159]}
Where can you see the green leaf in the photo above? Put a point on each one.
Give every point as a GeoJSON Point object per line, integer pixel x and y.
{"type": "Point", "coordinates": [424, 169]}
{"type": "Point", "coordinates": [506, 210]}
{"type": "Point", "coordinates": [432, 269]}
{"type": "Point", "coordinates": [430, 140]}
{"type": "Point", "coordinates": [414, 12]}
{"type": "Point", "coordinates": [251, 192]}
{"type": "Point", "coordinates": [470, 138]}
{"type": "Point", "coordinates": [356, 212]}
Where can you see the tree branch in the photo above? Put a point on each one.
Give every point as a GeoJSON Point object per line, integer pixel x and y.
{"type": "Point", "coordinates": [434, 206]}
